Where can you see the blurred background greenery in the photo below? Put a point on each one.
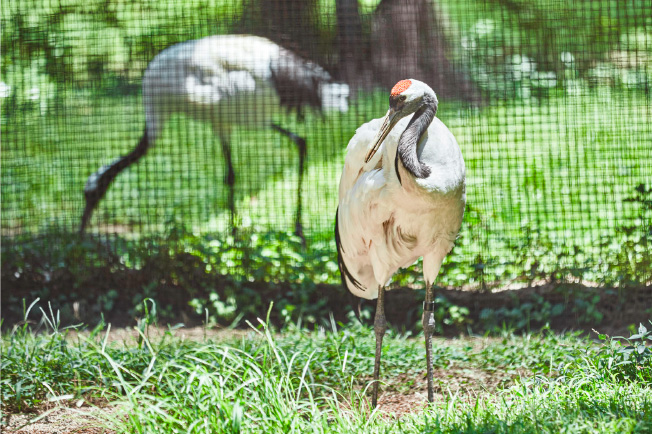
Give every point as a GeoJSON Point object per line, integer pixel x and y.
{"type": "Point", "coordinates": [550, 103]}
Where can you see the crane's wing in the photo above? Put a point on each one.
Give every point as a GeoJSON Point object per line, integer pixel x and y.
{"type": "Point", "coordinates": [348, 280]}
{"type": "Point", "coordinates": [360, 212]}
{"type": "Point", "coordinates": [229, 65]}
{"type": "Point", "coordinates": [356, 151]}
{"type": "Point", "coordinates": [226, 66]}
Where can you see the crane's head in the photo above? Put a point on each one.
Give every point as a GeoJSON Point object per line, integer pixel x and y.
{"type": "Point", "coordinates": [406, 97]}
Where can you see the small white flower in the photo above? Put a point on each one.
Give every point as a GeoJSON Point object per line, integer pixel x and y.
{"type": "Point", "coordinates": [468, 43]}
{"type": "Point", "coordinates": [483, 26]}
{"type": "Point", "coordinates": [544, 79]}
{"type": "Point", "coordinates": [34, 93]}
{"type": "Point", "coordinates": [5, 90]}
{"type": "Point", "coordinates": [567, 58]}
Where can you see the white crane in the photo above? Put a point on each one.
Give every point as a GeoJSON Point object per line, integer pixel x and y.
{"type": "Point", "coordinates": [402, 197]}
{"type": "Point", "coordinates": [224, 80]}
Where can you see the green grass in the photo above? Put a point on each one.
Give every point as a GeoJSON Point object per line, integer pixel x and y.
{"type": "Point", "coordinates": [293, 380]}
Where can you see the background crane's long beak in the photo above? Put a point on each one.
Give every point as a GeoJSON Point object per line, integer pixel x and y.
{"type": "Point", "coordinates": [388, 123]}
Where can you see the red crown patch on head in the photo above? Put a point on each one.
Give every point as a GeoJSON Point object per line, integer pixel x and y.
{"type": "Point", "coordinates": [400, 87]}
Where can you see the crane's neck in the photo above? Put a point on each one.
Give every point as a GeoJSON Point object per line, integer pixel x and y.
{"type": "Point", "coordinates": [407, 144]}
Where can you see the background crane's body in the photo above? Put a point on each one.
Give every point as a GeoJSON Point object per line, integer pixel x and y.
{"type": "Point", "coordinates": [224, 80]}
{"type": "Point", "coordinates": [402, 196]}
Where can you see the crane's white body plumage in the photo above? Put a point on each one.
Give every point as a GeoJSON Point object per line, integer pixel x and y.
{"type": "Point", "coordinates": [216, 79]}
{"type": "Point", "coordinates": [387, 220]}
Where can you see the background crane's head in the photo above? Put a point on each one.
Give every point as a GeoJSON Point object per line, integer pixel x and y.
{"type": "Point", "coordinates": [334, 96]}
{"type": "Point", "coordinates": [406, 97]}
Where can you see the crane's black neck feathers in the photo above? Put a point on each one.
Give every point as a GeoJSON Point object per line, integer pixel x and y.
{"type": "Point", "coordinates": [407, 144]}
{"type": "Point", "coordinates": [398, 174]}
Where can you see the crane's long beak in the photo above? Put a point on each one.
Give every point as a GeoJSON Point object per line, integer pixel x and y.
{"type": "Point", "coordinates": [389, 121]}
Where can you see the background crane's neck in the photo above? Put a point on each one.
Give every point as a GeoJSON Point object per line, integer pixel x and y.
{"type": "Point", "coordinates": [407, 144]}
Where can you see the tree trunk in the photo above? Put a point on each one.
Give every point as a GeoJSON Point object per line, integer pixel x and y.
{"type": "Point", "coordinates": [290, 23]}
{"type": "Point", "coordinates": [408, 41]}
{"type": "Point", "coordinates": [350, 42]}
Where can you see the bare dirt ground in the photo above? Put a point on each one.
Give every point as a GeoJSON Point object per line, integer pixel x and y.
{"type": "Point", "coordinates": [60, 420]}
{"type": "Point", "coordinates": [129, 335]}
{"type": "Point", "coordinates": [466, 384]}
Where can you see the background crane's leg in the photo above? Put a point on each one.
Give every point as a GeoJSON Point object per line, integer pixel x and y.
{"type": "Point", "coordinates": [229, 179]}
{"type": "Point", "coordinates": [99, 182]}
{"type": "Point", "coordinates": [301, 145]}
{"type": "Point", "coordinates": [380, 325]}
{"type": "Point", "coordinates": [428, 331]}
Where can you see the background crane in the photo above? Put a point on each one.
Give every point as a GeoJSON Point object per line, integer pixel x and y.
{"type": "Point", "coordinates": [401, 197]}
{"type": "Point", "coordinates": [224, 80]}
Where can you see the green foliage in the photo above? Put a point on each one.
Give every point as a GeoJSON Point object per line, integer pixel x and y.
{"type": "Point", "coordinates": [522, 316]}
{"type": "Point", "coordinates": [226, 279]}
{"type": "Point", "coordinates": [513, 48]}
{"type": "Point", "coordinates": [633, 260]}
{"type": "Point", "coordinates": [449, 314]}
{"type": "Point", "coordinates": [533, 49]}
{"type": "Point", "coordinates": [627, 359]}
{"type": "Point", "coordinates": [78, 43]}
{"type": "Point", "coordinates": [586, 309]}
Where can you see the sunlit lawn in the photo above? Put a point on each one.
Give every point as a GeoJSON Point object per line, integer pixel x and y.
{"type": "Point", "coordinates": [293, 380]}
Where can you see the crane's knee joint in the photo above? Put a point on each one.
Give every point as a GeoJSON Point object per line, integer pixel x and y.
{"type": "Point", "coordinates": [428, 323]}
{"type": "Point", "coordinates": [380, 324]}
{"type": "Point", "coordinates": [380, 331]}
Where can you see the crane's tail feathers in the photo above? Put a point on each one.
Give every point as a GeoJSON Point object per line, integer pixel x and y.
{"type": "Point", "coordinates": [356, 304]}
{"type": "Point", "coordinates": [345, 274]}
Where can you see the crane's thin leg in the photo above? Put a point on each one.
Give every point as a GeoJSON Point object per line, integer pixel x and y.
{"type": "Point", "coordinates": [380, 325]}
{"type": "Point", "coordinates": [98, 183]}
{"type": "Point", "coordinates": [229, 179]}
{"type": "Point", "coordinates": [301, 146]}
{"type": "Point", "coordinates": [428, 331]}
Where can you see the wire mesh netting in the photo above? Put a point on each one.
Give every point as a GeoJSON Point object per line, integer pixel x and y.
{"type": "Point", "coordinates": [108, 112]}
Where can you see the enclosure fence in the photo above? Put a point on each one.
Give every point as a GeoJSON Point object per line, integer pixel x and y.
{"type": "Point", "coordinates": [117, 129]}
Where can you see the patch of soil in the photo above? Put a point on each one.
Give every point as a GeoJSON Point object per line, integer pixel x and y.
{"type": "Point", "coordinates": [129, 335]}
{"type": "Point", "coordinates": [60, 420]}
{"type": "Point", "coordinates": [466, 383]}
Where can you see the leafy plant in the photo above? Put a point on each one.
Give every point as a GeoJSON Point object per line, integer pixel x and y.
{"type": "Point", "coordinates": [627, 359]}
{"type": "Point", "coordinates": [449, 314]}
{"type": "Point", "coordinates": [522, 316]}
